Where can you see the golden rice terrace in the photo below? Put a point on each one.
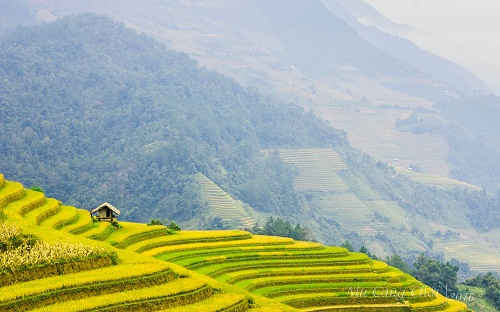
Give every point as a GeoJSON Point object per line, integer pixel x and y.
{"type": "Point", "coordinates": [137, 267]}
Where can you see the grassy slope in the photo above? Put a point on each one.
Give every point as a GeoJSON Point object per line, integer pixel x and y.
{"type": "Point", "coordinates": [207, 274]}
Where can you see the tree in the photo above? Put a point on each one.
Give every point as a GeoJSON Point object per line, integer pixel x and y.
{"type": "Point", "coordinates": [347, 245]}
{"type": "Point", "coordinates": [491, 284]}
{"type": "Point", "coordinates": [365, 250]}
{"type": "Point", "coordinates": [284, 228]}
{"type": "Point", "coordinates": [396, 261]}
{"type": "Point", "coordinates": [155, 222]}
{"type": "Point", "coordinates": [37, 189]}
{"type": "Point", "coordinates": [173, 226]}
{"type": "Point", "coordinates": [440, 276]}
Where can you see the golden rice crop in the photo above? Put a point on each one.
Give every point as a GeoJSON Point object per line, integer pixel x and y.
{"type": "Point", "coordinates": [184, 245]}
{"type": "Point", "coordinates": [175, 289]}
{"type": "Point", "coordinates": [39, 253]}
{"type": "Point", "coordinates": [8, 232]}
{"type": "Point", "coordinates": [27, 256]}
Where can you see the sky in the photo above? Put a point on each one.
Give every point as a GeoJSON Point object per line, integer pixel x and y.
{"type": "Point", "coordinates": [464, 31]}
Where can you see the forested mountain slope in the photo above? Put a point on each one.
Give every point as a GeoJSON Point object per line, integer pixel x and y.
{"type": "Point", "coordinates": [314, 52]}
{"type": "Point", "coordinates": [93, 112]}
{"type": "Point", "coordinates": [96, 106]}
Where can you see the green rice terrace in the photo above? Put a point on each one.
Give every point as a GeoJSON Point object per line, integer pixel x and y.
{"type": "Point", "coordinates": [70, 262]}
{"type": "Point", "coordinates": [223, 205]}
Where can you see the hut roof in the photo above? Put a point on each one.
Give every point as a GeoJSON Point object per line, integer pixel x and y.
{"type": "Point", "coordinates": [108, 205]}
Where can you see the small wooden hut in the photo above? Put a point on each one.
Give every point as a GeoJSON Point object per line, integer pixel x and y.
{"type": "Point", "coordinates": [106, 211]}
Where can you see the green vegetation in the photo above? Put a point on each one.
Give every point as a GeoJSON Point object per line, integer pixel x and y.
{"type": "Point", "coordinates": [396, 261]}
{"type": "Point", "coordinates": [171, 226]}
{"type": "Point", "coordinates": [116, 91]}
{"type": "Point", "coordinates": [284, 228]}
{"type": "Point", "coordinates": [490, 284]}
{"type": "Point", "coordinates": [440, 276]}
{"type": "Point", "coordinates": [481, 292]}
{"type": "Point", "coordinates": [37, 189]}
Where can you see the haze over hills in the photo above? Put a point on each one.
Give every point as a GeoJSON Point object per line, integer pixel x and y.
{"type": "Point", "coordinates": [94, 112]}
{"type": "Point", "coordinates": [463, 31]}
{"type": "Point", "coordinates": [314, 53]}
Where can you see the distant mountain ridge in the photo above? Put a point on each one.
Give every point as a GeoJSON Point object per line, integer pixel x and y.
{"type": "Point", "coordinates": [438, 68]}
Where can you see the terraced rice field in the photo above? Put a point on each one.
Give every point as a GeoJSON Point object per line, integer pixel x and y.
{"type": "Point", "coordinates": [304, 275]}
{"type": "Point", "coordinates": [204, 271]}
{"type": "Point", "coordinates": [317, 169]}
{"type": "Point", "coordinates": [318, 173]}
{"type": "Point", "coordinates": [222, 204]}
{"type": "Point", "coordinates": [478, 258]}
{"type": "Point", "coordinates": [434, 180]}
{"type": "Point", "coordinates": [331, 197]}
{"type": "Point", "coordinates": [390, 209]}
{"type": "Point", "coordinates": [331, 158]}
{"type": "Point", "coordinates": [347, 209]}
{"type": "Point", "coordinates": [136, 282]}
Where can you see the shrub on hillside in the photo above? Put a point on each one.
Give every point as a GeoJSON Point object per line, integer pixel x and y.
{"type": "Point", "coordinates": [172, 226]}
{"type": "Point", "coordinates": [11, 237]}
{"type": "Point", "coordinates": [284, 228]}
{"type": "Point", "coordinates": [37, 189]}
{"type": "Point", "coordinates": [491, 284]}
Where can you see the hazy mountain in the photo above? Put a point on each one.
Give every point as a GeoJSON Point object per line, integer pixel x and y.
{"type": "Point", "coordinates": [93, 112]}
{"type": "Point", "coordinates": [462, 31]}
{"type": "Point", "coordinates": [357, 77]}
{"type": "Point", "coordinates": [378, 30]}
{"type": "Point", "coordinates": [367, 15]}
{"type": "Point", "coordinates": [91, 103]}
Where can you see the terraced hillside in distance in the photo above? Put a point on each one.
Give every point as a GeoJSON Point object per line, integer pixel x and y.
{"type": "Point", "coordinates": [331, 197]}
{"type": "Point", "coordinates": [434, 180]}
{"type": "Point", "coordinates": [370, 126]}
{"type": "Point", "coordinates": [223, 205]}
{"type": "Point", "coordinates": [354, 207]}
{"type": "Point", "coordinates": [198, 270]}
{"type": "Point", "coordinates": [317, 169]}
{"type": "Point", "coordinates": [479, 259]}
